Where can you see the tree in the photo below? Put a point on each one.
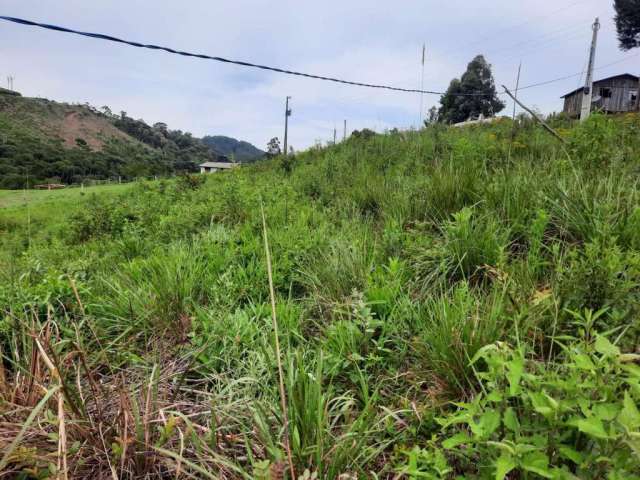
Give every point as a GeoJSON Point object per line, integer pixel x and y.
{"type": "Point", "coordinates": [432, 116]}
{"type": "Point", "coordinates": [161, 126]}
{"type": "Point", "coordinates": [273, 147]}
{"type": "Point", "coordinates": [472, 95]}
{"type": "Point", "coordinates": [628, 27]}
{"type": "Point", "coordinates": [628, 23]}
{"type": "Point", "coordinates": [106, 111]}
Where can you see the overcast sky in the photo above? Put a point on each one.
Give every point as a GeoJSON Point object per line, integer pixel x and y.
{"type": "Point", "coordinates": [361, 40]}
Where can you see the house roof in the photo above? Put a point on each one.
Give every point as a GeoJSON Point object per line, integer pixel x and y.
{"type": "Point", "coordinates": [623, 75]}
{"type": "Point", "coordinates": [218, 165]}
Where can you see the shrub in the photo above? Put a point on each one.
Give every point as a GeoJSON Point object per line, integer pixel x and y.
{"type": "Point", "coordinates": [595, 142]}
{"type": "Point", "coordinates": [600, 276]}
{"type": "Point", "coordinates": [574, 419]}
{"type": "Point", "coordinates": [99, 218]}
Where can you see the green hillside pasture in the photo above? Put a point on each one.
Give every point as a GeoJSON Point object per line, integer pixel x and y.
{"type": "Point", "coordinates": [451, 303]}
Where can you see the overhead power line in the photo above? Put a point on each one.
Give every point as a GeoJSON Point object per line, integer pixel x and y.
{"type": "Point", "coordinates": [567, 77]}
{"type": "Point", "coordinates": [110, 38]}
{"type": "Point", "coordinates": [499, 32]}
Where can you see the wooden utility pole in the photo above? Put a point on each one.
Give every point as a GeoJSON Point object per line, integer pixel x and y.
{"type": "Point", "coordinates": [516, 91]}
{"type": "Point", "coordinates": [587, 94]}
{"type": "Point", "coordinates": [335, 133]}
{"type": "Point", "coordinates": [424, 57]}
{"type": "Point", "coordinates": [287, 114]}
{"type": "Point", "coordinates": [344, 134]}
{"type": "Point", "coordinates": [515, 104]}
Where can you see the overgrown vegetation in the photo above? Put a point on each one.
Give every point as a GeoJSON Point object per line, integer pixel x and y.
{"type": "Point", "coordinates": [452, 303]}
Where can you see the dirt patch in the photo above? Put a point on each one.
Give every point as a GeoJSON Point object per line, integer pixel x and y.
{"type": "Point", "coordinates": [92, 129]}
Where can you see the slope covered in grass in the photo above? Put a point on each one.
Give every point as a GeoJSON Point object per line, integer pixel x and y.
{"type": "Point", "coordinates": [450, 303]}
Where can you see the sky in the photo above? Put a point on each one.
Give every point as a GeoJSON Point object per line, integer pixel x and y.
{"type": "Point", "coordinates": [359, 40]}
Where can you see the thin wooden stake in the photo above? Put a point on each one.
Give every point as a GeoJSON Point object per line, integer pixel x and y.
{"type": "Point", "coordinates": [513, 124]}
{"type": "Point", "coordinates": [535, 116]}
{"type": "Point", "coordinates": [274, 318]}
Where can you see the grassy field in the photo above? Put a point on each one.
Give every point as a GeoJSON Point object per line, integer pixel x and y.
{"type": "Point", "coordinates": [33, 198]}
{"type": "Point", "coordinates": [449, 303]}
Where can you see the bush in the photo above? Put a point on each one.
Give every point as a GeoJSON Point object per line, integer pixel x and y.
{"type": "Point", "coordinates": [99, 218]}
{"type": "Point", "coordinates": [574, 419]}
{"type": "Point", "coordinates": [601, 276]}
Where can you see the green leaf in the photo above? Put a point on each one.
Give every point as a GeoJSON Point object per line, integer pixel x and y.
{"type": "Point", "coordinates": [483, 353]}
{"type": "Point", "coordinates": [583, 362]}
{"type": "Point", "coordinates": [552, 402]}
{"type": "Point", "coordinates": [605, 347]}
{"type": "Point", "coordinates": [495, 397]}
{"type": "Point", "coordinates": [573, 455]}
{"type": "Point", "coordinates": [592, 426]}
{"type": "Point", "coordinates": [629, 417]}
{"type": "Point", "coordinates": [457, 439]}
{"type": "Point", "coordinates": [516, 367]}
{"type": "Point", "coordinates": [511, 420]}
{"type": "Point", "coordinates": [607, 411]}
{"type": "Point", "coordinates": [540, 404]}
{"type": "Point", "coordinates": [537, 462]}
{"type": "Point", "coordinates": [440, 464]}
{"type": "Point", "coordinates": [505, 446]}
{"type": "Point", "coordinates": [632, 369]}
{"type": "Point", "coordinates": [488, 423]}
{"type": "Point", "coordinates": [504, 465]}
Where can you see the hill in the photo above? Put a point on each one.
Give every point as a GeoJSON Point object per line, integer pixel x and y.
{"type": "Point", "coordinates": [240, 151]}
{"type": "Point", "coordinates": [42, 141]}
{"type": "Point", "coordinates": [447, 303]}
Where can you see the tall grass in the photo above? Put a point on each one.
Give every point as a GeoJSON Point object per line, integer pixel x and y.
{"type": "Point", "coordinates": [136, 330]}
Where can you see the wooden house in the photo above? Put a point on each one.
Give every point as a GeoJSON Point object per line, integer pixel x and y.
{"type": "Point", "coordinates": [617, 94]}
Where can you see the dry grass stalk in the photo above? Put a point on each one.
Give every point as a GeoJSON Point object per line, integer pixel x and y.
{"type": "Point", "coordinates": [25, 429]}
{"type": "Point", "coordinates": [274, 317]}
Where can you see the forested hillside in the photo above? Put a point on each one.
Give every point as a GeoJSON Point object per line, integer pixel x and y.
{"type": "Point", "coordinates": [448, 303]}
{"type": "Point", "coordinates": [234, 149]}
{"type": "Point", "coordinates": [42, 141]}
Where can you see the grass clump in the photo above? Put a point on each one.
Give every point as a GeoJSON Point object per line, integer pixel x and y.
{"type": "Point", "coordinates": [471, 247]}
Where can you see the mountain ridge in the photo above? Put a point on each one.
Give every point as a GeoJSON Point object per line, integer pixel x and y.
{"type": "Point", "coordinates": [233, 149]}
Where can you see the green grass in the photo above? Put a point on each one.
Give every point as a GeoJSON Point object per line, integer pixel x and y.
{"type": "Point", "coordinates": [55, 198]}
{"type": "Point", "coordinates": [445, 309]}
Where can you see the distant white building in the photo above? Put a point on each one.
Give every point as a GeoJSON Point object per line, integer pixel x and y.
{"type": "Point", "coordinates": [212, 167]}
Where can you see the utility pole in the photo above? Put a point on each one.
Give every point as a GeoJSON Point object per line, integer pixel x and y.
{"type": "Point", "coordinates": [287, 114]}
{"type": "Point", "coordinates": [424, 57]}
{"type": "Point", "coordinates": [515, 104]}
{"type": "Point", "coordinates": [517, 88]}
{"type": "Point", "coordinates": [344, 134]}
{"type": "Point", "coordinates": [587, 94]}
{"type": "Point", "coordinates": [335, 132]}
